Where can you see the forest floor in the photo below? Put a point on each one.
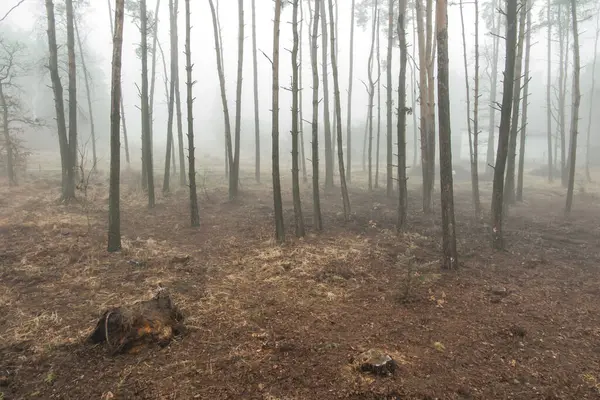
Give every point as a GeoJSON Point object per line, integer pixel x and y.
{"type": "Point", "coordinates": [283, 322]}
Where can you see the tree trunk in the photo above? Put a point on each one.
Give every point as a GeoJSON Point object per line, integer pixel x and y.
{"type": "Point", "coordinates": [509, 184]}
{"type": "Point", "coordinates": [350, 82]}
{"type": "Point", "coordinates": [125, 141]}
{"type": "Point", "coordinates": [430, 51]}
{"type": "Point", "coordinates": [89, 98]}
{"type": "Point", "coordinates": [504, 132]}
{"type": "Point", "coordinates": [475, 166]}
{"type": "Point", "coordinates": [278, 205]}
{"type": "Point", "coordinates": [326, 113]}
{"type": "Point", "coordinates": [389, 183]}
{"type": "Point", "coordinates": [371, 93]}
{"type": "Point", "coordinates": [194, 215]}
{"type": "Point", "coordinates": [301, 105]}
{"type": "Point", "coordinates": [338, 115]}
{"type": "Point", "coordinates": [575, 108]}
{"type": "Point", "coordinates": [298, 218]}
{"type": "Point", "coordinates": [68, 171]}
{"type": "Point", "coordinates": [562, 97]}
{"type": "Point", "coordinates": [402, 110]}
{"type": "Point", "coordinates": [489, 160]}
{"type": "Point", "coordinates": [221, 73]}
{"type": "Point", "coordinates": [72, 85]}
{"type": "Point", "coordinates": [10, 168]}
{"type": "Point", "coordinates": [525, 105]}
{"type": "Point", "coordinates": [414, 93]}
{"type": "Point", "coordinates": [450, 257]}
{"type": "Point", "coordinates": [114, 213]}
{"type": "Point", "coordinates": [256, 114]}
{"type": "Point", "coordinates": [153, 74]}
{"type": "Point", "coordinates": [235, 169]}
{"type": "Point", "coordinates": [182, 178]}
{"type": "Point", "coordinates": [317, 220]}
{"type": "Point", "coordinates": [146, 139]}
{"type": "Point", "coordinates": [548, 97]}
{"type": "Point", "coordinates": [377, 146]}
{"type": "Point", "coordinates": [171, 100]}
{"type": "Point", "coordinates": [592, 92]}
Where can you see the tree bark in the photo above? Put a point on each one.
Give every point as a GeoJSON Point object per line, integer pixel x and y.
{"type": "Point", "coordinates": [389, 183]}
{"type": "Point", "coordinates": [171, 100]}
{"type": "Point", "coordinates": [278, 205]}
{"type": "Point", "coordinates": [523, 136]}
{"type": "Point", "coordinates": [592, 92]}
{"type": "Point", "coordinates": [114, 213]}
{"type": "Point", "coordinates": [182, 178]}
{"type": "Point", "coordinates": [317, 220]}
{"type": "Point", "coordinates": [402, 110]}
{"type": "Point", "coordinates": [371, 93]}
{"type": "Point", "coordinates": [235, 170]}
{"type": "Point", "coordinates": [194, 214]}
{"type": "Point", "coordinates": [450, 257]}
{"type": "Point", "coordinates": [256, 114]}
{"type": "Point", "coordinates": [493, 89]}
{"type": "Point", "coordinates": [548, 97]}
{"type": "Point", "coordinates": [475, 166]}
{"type": "Point", "coordinates": [350, 84]}
{"type": "Point", "coordinates": [377, 145]}
{"type": "Point", "coordinates": [575, 108]}
{"type": "Point", "coordinates": [301, 105]}
{"type": "Point", "coordinates": [68, 171]}
{"type": "Point", "coordinates": [338, 115]}
{"type": "Point", "coordinates": [10, 168]}
{"type": "Point", "coordinates": [326, 112]}
{"type": "Point", "coordinates": [562, 97]}
{"type": "Point", "coordinates": [430, 51]}
{"type": "Point", "coordinates": [72, 85]}
{"type": "Point", "coordinates": [146, 138]}
{"type": "Point", "coordinates": [298, 218]}
{"type": "Point", "coordinates": [153, 74]}
{"type": "Point", "coordinates": [504, 132]}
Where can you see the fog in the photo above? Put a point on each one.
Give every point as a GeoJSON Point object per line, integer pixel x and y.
{"type": "Point", "coordinates": [27, 23]}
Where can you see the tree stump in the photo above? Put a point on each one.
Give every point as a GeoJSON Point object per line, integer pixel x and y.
{"type": "Point", "coordinates": [376, 362]}
{"type": "Point", "coordinates": [127, 328]}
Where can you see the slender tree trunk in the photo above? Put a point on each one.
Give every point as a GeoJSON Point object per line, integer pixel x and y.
{"type": "Point", "coordinates": [153, 74]}
{"type": "Point", "coordinates": [317, 220]}
{"type": "Point", "coordinates": [298, 218]}
{"type": "Point", "coordinates": [10, 169]}
{"type": "Point", "coordinates": [592, 93]}
{"type": "Point", "coordinates": [389, 186]}
{"type": "Point", "coordinates": [525, 105]}
{"type": "Point", "coordinates": [350, 84]}
{"type": "Point", "coordinates": [256, 114]}
{"type": "Point", "coordinates": [182, 178]}
{"type": "Point", "coordinates": [146, 139]}
{"type": "Point", "coordinates": [125, 141]}
{"type": "Point", "coordinates": [402, 198]}
{"type": "Point", "coordinates": [114, 213]}
{"type": "Point", "coordinates": [326, 112]}
{"type": "Point", "coordinates": [509, 184]}
{"type": "Point", "coordinates": [278, 206]}
{"type": "Point", "coordinates": [575, 108]}
{"type": "Point", "coordinates": [338, 114]}
{"type": "Point", "coordinates": [194, 215]}
{"type": "Point", "coordinates": [475, 167]}
{"type": "Point", "coordinates": [169, 147]}
{"type": "Point", "coordinates": [301, 105]}
{"type": "Point", "coordinates": [72, 86]}
{"type": "Point", "coordinates": [414, 93]}
{"type": "Point", "coordinates": [89, 98]}
{"type": "Point", "coordinates": [171, 100]}
{"type": "Point", "coordinates": [68, 171]}
{"type": "Point", "coordinates": [489, 160]}
{"type": "Point", "coordinates": [450, 258]}
{"type": "Point", "coordinates": [378, 146]}
{"type": "Point", "coordinates": [371, 92]}
{"type": "Point", "coordinates": [504, 132]}
{"type": "Point", "coordinates": [548, 91]}
{"type": "Point", "coordinates": [430, 51]}
{"type": "Point", "coordinates": [235, 170]}
{"type": "Point", "coordinates": [562, 97]}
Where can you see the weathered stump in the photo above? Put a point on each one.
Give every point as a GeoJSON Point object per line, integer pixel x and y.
{"type": "Point", "coordinates": [127, 328]}
{"type": "Point", "coordinates": [375, 362]}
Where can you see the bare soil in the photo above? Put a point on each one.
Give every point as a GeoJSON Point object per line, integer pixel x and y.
{"type": "Point", "coordinates": [285, 322]}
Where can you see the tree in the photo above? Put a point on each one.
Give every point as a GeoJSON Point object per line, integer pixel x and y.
{"type": "Point", "coordinates": [235, 167]}
{"type": "Point", "coordinates": [402, 111]}
{"type": "Point", "coordinates": [350, 82]}
{"type": "Point", "coordinates": [114, 216]}
{"type": "Point", "coordinates": [125, 141]}
{"type": "Point", "coordinates": [301, 105]}
{"type": "Point", "coordinates": [592, 91]}
{"type": "Point", "coordinates": [371, 94]}
{"type": "Point", "coordinates": [256, 114]}
{"type": "Point", "coordinates": [154, 30]}
{"type": "Point", "coordinates": [377, 145]}
{"type": "Point", "coordinates": [389, 103]}
{"type": "Point", "coordinates": [548, 97]}
{"type": "Point", "coordinates": [170, 99]}
{"type": "Point", "coordinates": [67, 163]}
{"type": "Point", "coordinates": [496, 21]}
{"type": "Point", "coordinates": [338, 115]}
{"type": "Point", "coordinates": [476, 95]}
{"type": "Point", "coordinates": [504, 132]}
{"type": "Point", "coordinates": [524, 113]}
{"type": "Point", "coordinates": [326, 113]}
{"type": "Point", "coordinates": [194, 216]}
{"type": "Point", "coordinates": [72, 84]}
{"type": "Point", "coordinates": [563, 46]}
{"type": "Point", "coordinates": [298, 219]}
{"type": "Point", "coordinates": [278, 205]}
{"type": "Point", "coordinates": [317, 220]}
{"type": "Point", "coordinates": [175, 52]}
{"type": "Point", "coordinates": [575, 108]}
{"type": "Point", "coordinates": [450, 256]}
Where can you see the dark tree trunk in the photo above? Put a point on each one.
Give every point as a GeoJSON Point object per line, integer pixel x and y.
{"type": "Point", "coordinates": [338, 115]}
{"type": "Point", "coordinates": [475, 169]}
{"type": "Point", "coordinates": [377, 145]}
{"type": "Point", "coordinates": [72, 86]}
{"type": "Point", "coordinates": [317, 220]}
{"type": "Point", "coordinates": [153, 74]}
{"type": "Point", "coordinates": [575, 109]}
{"type": "Point", "coordinates": [592, 92]}
{"type": "Point", "coordinates": [389, 182]}
{"type": "Point", "coordinates": [489, 161]}
{"type": "Point", "coordinates": [298, 218]}
{"type": "Point", "coordinates": [450, 257]}
{"type": "Point", "coordinates": [402, 110]}
{"type": "Point", "coordinates": [371, 93]}
{"type": "Point", "coordinates": [88, 93]}
{"type": "Point", "coordinates": [114, 216]}
{"type": "Point", "coordinates": [326, 112]}
{"type": "Point", "coordinates": [234, 176]}
{"type": "Point", "coordinates": [256, 114]}
{"type": "Point", "coordinates": [504, 132]}
{"type": "Point", "coordinates": [350, 84]}
{"type": "Point", "coordinates": [194, 215]}
{"type": "Point", "coordinates": [301, 105]}
{"type": "Point", "coordinates": [146, 139]}
{"type": "Point", "coordinates": [278, 205]}
{"type": "Point", "coordinates": [548, 91]}
{"type": "Point", "coordinates": [10, 168]}
{"type": "Point", "coordinates": [524, 115]}
{"type": "Point", "coordinates": [171, 100]}
{"type": "Point", "coordinates": [182, 178]}
{"type": "Point", "coordinates": [68, 171]}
